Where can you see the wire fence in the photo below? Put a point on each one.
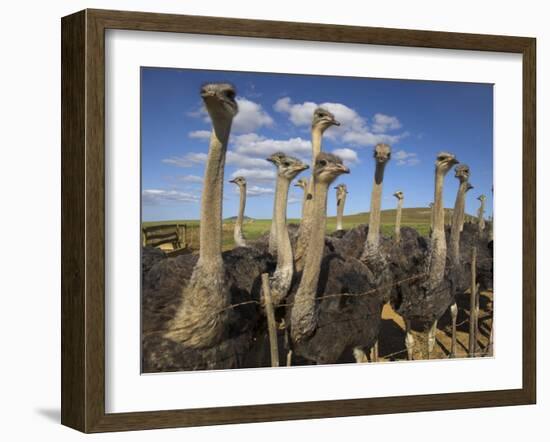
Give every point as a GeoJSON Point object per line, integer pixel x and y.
{"type": "Point", "coordinates": [361, 317]}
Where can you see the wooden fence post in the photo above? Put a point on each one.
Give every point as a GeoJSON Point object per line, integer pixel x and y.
{"type": "Point", "coordinates": [271, 326]}
{"type": "Point", "coordinates": [473, 290]}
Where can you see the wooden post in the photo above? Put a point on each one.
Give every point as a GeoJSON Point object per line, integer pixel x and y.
{"type": "Point", "coordinates": [271, 326]}
{"type": "Point", "coordinates": [473, 290]}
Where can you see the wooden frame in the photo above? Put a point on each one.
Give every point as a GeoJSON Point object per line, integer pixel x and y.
{"type": "Point", "coordinates": [83, 217]}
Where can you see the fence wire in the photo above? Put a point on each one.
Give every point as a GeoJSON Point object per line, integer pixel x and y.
{"type": "Point", "coordinates": [348, 319]}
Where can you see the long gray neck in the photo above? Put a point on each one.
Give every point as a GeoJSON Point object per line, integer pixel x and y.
{"type": "Point", "coordinates": [238, 233]}
{"type": "Point", "coordinates": [481, 215]}
{"type": "Point", "coordinates": [458, 216]}
{"type": "Point", "coordinates": [282, 277]}
{"type": "Point", "coordinates": [284, 250]}
{"type": "Point", "coordinates": [373, 236]}
{"type": "Point", "coordinates": [307, 213]}
{"type": "Point", "coordinates": [304, 198]}
{"type": "Point", "coordinates": [212, 197]}
{"type": "Point", "coordinates": [398, 220]}
{"type": "Point", "coordinates": [340, 203]}
{"type": "Point", "coordinates": [438, 241]}
{"type": "Point", "coordinates": [303, 319]}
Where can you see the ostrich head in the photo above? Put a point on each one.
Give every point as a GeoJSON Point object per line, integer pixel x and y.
{"type": "Point", "coordinates": [239, 181]}
{"type": "Point", "coordinates": [323, 119]}
{"type": "Point", "coordinates": [462, 172]}
{"type": "Point", "coordinates": [328, 167]}
{"type": "Point", "coordinates": [219, 99]}
{"type": "Point", "coordinates": [399, 195]}
{"type": "Point", "coordinates": [276, 158]}
{"type": "Point", "coordinates": [287, 167]}
{"type": "Point", "coordinates": [341, 190]}
{"type": "Point", "coordinates": [445, 161]}
{"type": "Point", "coordinates": [301, 183]}
{"type": "Point", "coordinates": [481, 198]}
{"type": "Point", "coordinates": [382, 153]}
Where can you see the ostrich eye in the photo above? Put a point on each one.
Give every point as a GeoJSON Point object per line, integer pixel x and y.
{"type": "Point", "coordinates": [230, 94]}
{"type": "Point", "coordinates": [286, 164]}
{"type": "Point", "coordinates": [322, 163]}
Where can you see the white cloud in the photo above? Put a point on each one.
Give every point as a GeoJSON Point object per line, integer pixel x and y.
{"type": "Point", "coordinates": [251, 117]}
{"type": "Point", "coordinates": [383, 123]}
{"type": "Point", "coordinates": [191, 179]}
{"type": "Point", "coordinates": [348, 155]}
{"type": "Point", "coordinates": [188, 160]}
{"type": "Point", "coordinates": [253, 191]}
{"type": "Point", "coordinates": [405, 158]}
{"type": "Point", "coordinates": [353, 129]}
{"type": "Point", "coordinates": [366, 138]}
{"type": "Point", "coordinates": [258, 146]}
{"type": "Point", "coordinates": [160, 196]}
{"type": "Point", "coordinates": [241, 160]}
{"type": "Point", "coordinates": [200, 134]}
{"type": "Point", "coordinates": [255, 174]}
{"type": "Point", "coordinates": [294, 199]}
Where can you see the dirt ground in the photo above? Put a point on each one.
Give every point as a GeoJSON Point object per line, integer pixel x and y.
{"type": "Point", "coordinates": [392, 334]}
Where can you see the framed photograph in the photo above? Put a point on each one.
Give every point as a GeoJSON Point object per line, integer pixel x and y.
{"type": "Point", "coordinates": [267, 221]}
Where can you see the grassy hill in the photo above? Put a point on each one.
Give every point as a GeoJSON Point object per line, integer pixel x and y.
{"type": "Point", "coordinates": [416, 217]}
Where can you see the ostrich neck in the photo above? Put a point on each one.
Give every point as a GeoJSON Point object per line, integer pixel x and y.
{"type": "Point", "coordinates": [240, 216]}
{"type": "Point", "coordinates": [373, 236]}
{"type": "Point", "coordinates": [398, 214]}
{"type": "Point", "coordinates": [340, 210]}
{"type": "Point", "coordinates": [212, 196]}
{"type": "Point", "coordinates": [304, 199]}
{"type": "Point", "coordinates": [284, 250]}
{"type": "Point", "coordinates": [305, 297]}
{"type": "Point", "coordinates": [439, 244]}
{"type": "Point", "coordinates": [316, 140]}
{"type": "Point", "coordinates": [482, 209]}
{"type": "Point", "coordinates": [456, 223]}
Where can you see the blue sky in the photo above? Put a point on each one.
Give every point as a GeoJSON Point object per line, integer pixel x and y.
{"type": "Point", "coordinates": [417, 118]}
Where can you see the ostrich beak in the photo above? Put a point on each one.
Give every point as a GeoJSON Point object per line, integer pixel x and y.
{"type": "Point", "coordinates": [343, 169]}
{"type": "Point", "coordinates": [234, 180]}
{"type": "Point", "coordinates": [271, 160]}
{"type": "Point", "coordinates": [335, 123]}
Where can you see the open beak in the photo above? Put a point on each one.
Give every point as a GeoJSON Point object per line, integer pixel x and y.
{"type": "Point", "coordinates": [234, 180]}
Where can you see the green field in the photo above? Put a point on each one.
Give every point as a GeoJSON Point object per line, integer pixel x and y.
{"type": "Point", "coordinates": [418, 218]}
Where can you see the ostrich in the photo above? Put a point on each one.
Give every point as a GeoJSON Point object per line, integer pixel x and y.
{"type": "Point", "coordinates": [382, 154]}
{"type": "Point", "coordinates": [272, 247]}
{"type": "Point", "coordinates": [195, 325]}
{"type": "Point", "coordinates": [481, 212]}
{"type": "Point", "coordinates": [238, 232]}
{"type": "Point", "coordinates": [327, 168]}
{"type": "Point", "coordinates": [344, 322]}
{"type": "Point", "coordinates": [426, 302]}
{"type": "Point", "coordinates": [400, 196]}
{"type": "Point", "coordinates": [458, 273]}
{"type": "Point", "coordinates": [341, 193]}
{"type": "Point", "coordinates": [287, 169]}
{"type": "Point", "coordinates": [322, 120]}
{"type": "Point", "coordinates": [302, 184]}
{"type": "Point", "coordinates": [463, 211]}
{"type": "Point", "coordinates": [431, 206]}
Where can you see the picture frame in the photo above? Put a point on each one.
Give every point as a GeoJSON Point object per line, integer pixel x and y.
{"type": "Point", "coordinates": [83, 220]}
